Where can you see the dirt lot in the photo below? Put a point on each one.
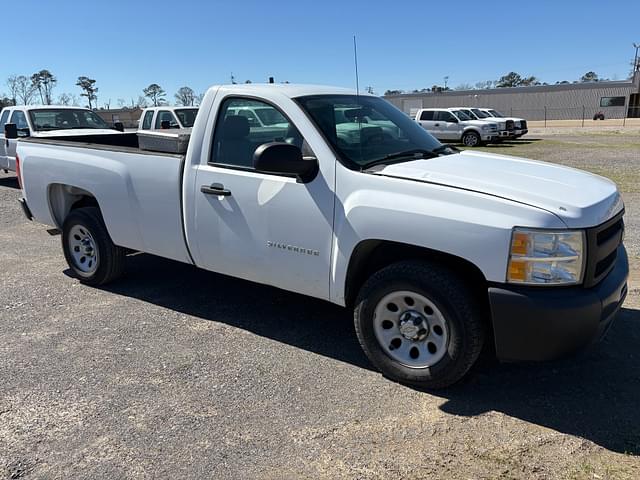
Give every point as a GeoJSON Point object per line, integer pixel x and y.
{"type": "Point", "coordinates": [179, 373]}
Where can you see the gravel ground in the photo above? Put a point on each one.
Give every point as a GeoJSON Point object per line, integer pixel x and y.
{"type": "Point", "coordinates": [179, 373]}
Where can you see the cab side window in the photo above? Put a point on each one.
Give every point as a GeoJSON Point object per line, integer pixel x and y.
{"type": "Point", "coordinates": [166, 116]}
{"type": "Point", "coordinates": [3, 120]}
{"type": "Point", "coordinates": [146, 121]}
{"type": "Point", "coordinates": [19, 118]}
{"type": "Point", "coordinates": [238, 133]}
{"type": "Point", "coordinates": [445, 117]}
{"type": "Point", "coordinates": [426, 115]}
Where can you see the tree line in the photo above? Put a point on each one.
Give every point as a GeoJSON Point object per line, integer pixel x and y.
{"type": "Point", "coordinates": [510, 80]}
{"type": "Point", "coordinates": [38, 88]}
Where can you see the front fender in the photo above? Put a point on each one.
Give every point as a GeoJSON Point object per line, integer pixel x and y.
{"type": "Point", "coordinates": [470, 225]}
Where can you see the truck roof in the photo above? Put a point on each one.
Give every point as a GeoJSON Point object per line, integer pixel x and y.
{"type": "Point", "coordinates": [45, 107]}
{"type": "Point", "coordinates": [289, 89]}
{"type": "Point", "coordinates": [171, 107]}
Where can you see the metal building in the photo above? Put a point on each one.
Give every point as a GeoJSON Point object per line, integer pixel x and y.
{"type": "Point", "coordinates": [614, 99]}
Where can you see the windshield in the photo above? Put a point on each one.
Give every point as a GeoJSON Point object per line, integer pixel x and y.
{"type": "Point", "coordinates": [364, 130]}
{"type": "Point", "coordinates": [480, 113]}
{"type": "Point", "coordinates": [496, 113]}
{"type": "Point", "coordinates": [470, 114]}
{"type": "Point", "coordinates": [187, 116]}
{"type": "Point", "coordinates": [461, 115]}
{"type": "Point", "coordinates": [64, 119]}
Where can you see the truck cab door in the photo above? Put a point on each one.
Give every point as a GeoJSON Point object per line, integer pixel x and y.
{"type": "Point", "coordinates": [427, 121]}
{"type": "Point", "coordinates": [262, 227]}
{"type": "Point", "coordinates": [20, 119]}
{"type": "Point", "coordinates": [4, 118]}
{"type": "Point", "coordinates": [449, 127]}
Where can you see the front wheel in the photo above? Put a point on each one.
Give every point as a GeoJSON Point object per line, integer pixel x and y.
{"type": "Point", "coordinates": [471, 139]}
{"type": "Point", "coordinates": [88, 249]}
{"type": "Point", "coordinates": [419, 324]}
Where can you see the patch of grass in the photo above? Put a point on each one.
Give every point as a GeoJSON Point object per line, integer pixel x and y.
{"type": "Point", "coordinates": [522, 147]}
{"type": "Point", "coordinates": [608, 133]}
{"type": "Point", "coordinates": [627, 179]}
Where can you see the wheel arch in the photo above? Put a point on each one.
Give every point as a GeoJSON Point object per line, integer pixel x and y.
{"type": "Point", "coordinates": [370, 256]}
{"type": "Point", "coordinates": [64, 198]}
{"type": "Point", "coordinates": [475, 130]}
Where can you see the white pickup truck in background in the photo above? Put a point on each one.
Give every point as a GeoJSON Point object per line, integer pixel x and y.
{"type": "Point", "coordinates": [437, 252]}
{"type": "Point", "coordinates": [504, 132]}
{"type": "Point", "coordinates": [456, 126]}
{"type": "Point", "coordinates": [165, 117]}
{"type": "Point", "coordinates": [46, 121]}
{"type": "Point", "coordinates": [519, 124]}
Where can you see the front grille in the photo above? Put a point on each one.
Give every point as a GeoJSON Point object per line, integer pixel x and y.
{"type": "Point", "coordinates": [602, 249]}
{"type": "Point", "coordinates": [510, 125]}
{"type": "Point", "coordinates": [523, 124]}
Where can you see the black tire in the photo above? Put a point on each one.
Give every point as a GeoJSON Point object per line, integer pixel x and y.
{"type": "Point", "coordinates": [462, 310]}
{"type": "Point", "coordinates": [111, 257]}
{"type": "Point", "coordinates": [471, 139]}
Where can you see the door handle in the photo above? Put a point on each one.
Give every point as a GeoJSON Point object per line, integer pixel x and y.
{"type": "Point", "coordinates": [215, 189]}
{"type": "Point", "coordinates": [437, 125]}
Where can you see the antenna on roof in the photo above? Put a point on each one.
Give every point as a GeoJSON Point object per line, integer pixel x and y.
{"type": "Point", "coordinates": [355, 61]}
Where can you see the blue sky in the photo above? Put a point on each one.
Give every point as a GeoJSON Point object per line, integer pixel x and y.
{"type": "Point", "coordinates": [126, 45]}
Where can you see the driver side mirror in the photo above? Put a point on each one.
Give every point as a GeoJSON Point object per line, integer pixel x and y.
{"type": "Point", "coordinates": [10, 131]}
{"type": "Point", "coordinates": [284, 158]}
{"type": "Point", "coordinates": [119, 126]}
{"type": "Point", "coordinates": [165, 124]}
{"type": "Point", "coordinates": [452, 120]}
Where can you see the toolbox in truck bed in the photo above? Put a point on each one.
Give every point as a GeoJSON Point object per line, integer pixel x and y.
{"type": "Point", "coordinates": [168, 141]}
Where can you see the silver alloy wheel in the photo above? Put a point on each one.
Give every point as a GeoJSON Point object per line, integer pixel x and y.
{"type": "Point", "coordinates": [470, 140]}
{"type": "Point", "coordinates": [84, 252]}
{"type": "Point", "coordinates": [411, 329]}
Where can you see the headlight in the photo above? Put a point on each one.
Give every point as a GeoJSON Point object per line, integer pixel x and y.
{"type": "Point", "coordinates": [486, 127]}
{"type": "Point", "coordinates": [549, 257]}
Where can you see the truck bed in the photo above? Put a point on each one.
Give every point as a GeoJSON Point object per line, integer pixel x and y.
{"type": "Point", "coordinates": [139, 191]}
{"type": "Point", "coordinates": [171, 142]}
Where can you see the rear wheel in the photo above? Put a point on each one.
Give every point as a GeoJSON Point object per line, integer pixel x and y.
{"type": "Point", "coordinates": [88, 249]}
{"type": "Point", "coordinates": [471, 139]}
{"type": "Point", "coordinates": [419, 324]}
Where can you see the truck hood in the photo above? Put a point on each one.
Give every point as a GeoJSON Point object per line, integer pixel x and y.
{"type": "Point", "coordinates": [77, 131]}
{"type": "Point", "coordinates": [479, 123]}
{"type": "Point", "coordinates": [580, 199]}
{"type": "Point", "coordinates": [504, 119]}
{"type": "Point", "coordinates": [501, 123]}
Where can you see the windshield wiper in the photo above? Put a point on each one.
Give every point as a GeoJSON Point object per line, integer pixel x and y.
{"type": "Point", "coordinates": [415, 154]}
{"type": "Point", "coordinates": [444, 147]}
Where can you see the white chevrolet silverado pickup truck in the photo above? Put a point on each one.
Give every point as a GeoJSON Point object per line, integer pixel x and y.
{"type": "Point", "coordinates": [455, 125]}
{"type": "Point", "coordinates": [438, 252]}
